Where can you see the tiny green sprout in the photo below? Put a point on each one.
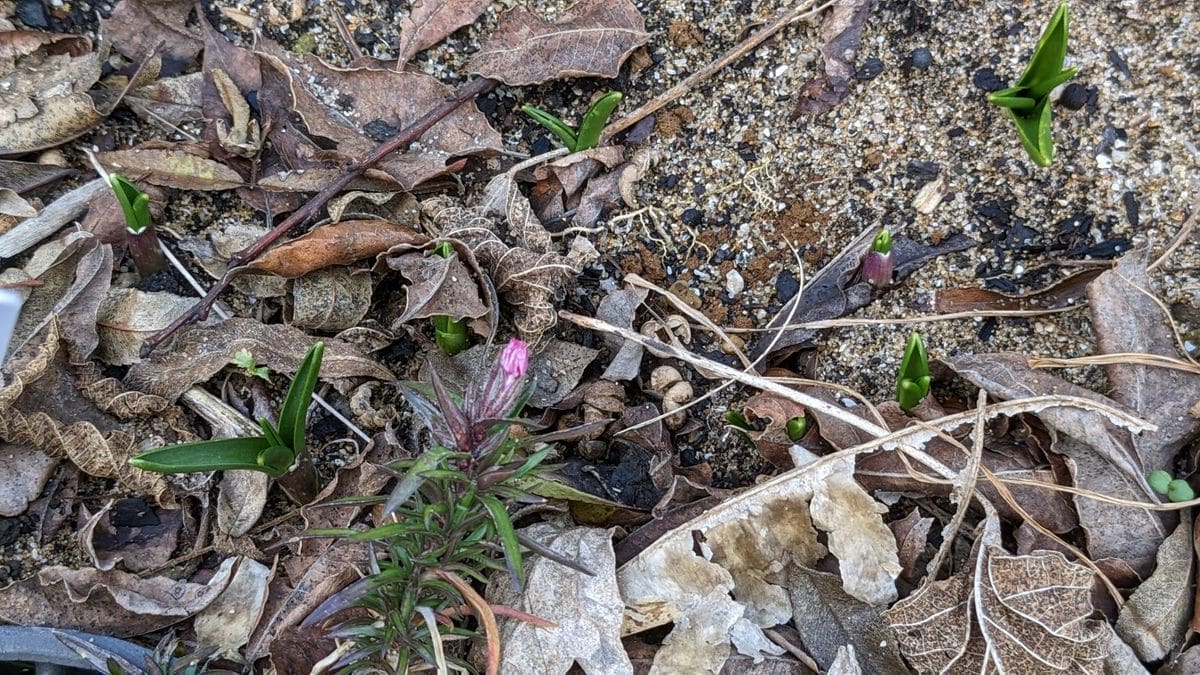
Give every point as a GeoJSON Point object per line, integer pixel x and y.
{"type": "Point", "coordinates": [1159, 481]}
{"type": "Point", "coordinates": [275, 452]}
{"type": "Point", "coordinates": [797, 427]}
{"type": "Point", "coordinates": [140, 237]}
{"type": "Point", "coordinates": [449, 334]}
{"type": "Point", "coordinates": [588, 134]}
{"type": "Point", "coordinates": [912, 380]}
{"type": "Point", "coordinates": [244, 360]}
{"type": "Point", "coordinates": [1180, 491]}
{"type": "Point", "coordinates": [879, 263]}
{"type": "Point", "coordinates": [1028, 101]}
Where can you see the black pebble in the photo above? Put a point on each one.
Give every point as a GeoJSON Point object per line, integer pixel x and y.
{"type": "Point", "coordinates": [32, 14]}
{"type": "Point", "coordinates": [671, 180]}
{"type": "Point", "coordinates": [1074, 96]}
{"type": "Point", "coordinates": [1132, 206]}
{"type": "Point", "coordinates": [786, 286]}
{"type": "Point", "coordinates": [955, 132]}
{"type": "Point", "coordinates": [985, 79]}
{"type": "Point", "coordinates": [693, 217]}
{"type": "Point", "coordinates": [364, 37]}
{"type": "Point", "coordinates": [869, 70]}
{"type": "Point", "coordinates": [922, 169]}
{"type": "Point", "coordinates": [541, 145]}
{"type": "Point", "coordinates": [921, 58]}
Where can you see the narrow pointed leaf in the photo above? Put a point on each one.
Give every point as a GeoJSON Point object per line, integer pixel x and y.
{"type": "Point", "coordinates": [508, 538]}
{"type": "Point", "coordinates": [565, 133]}
{"type": "Point", "coordinates": [595, 119]}
{"type": "Point", "coordinates": [294, 413]}
{"type": "Point", "coordinates": [269, 431]}
{"type": "Point", "coordinates": [1044, 87]}
{"type": "Point", "coordinates": [215, 455]}
{"type": "Point", "coordinates": [1034, 131]}
{"type": "Point", "coordinates": [1050, 52]}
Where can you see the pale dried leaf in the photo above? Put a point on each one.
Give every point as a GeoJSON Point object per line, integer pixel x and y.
{"type": "Point", "coordinates": [590, 39]}
{"type": "Point", "coordinates": [619, 308]}
{"type": "Point", "coordinates": [586, 609]}
{"type": "Point", "coordinates": [182, 167]}
{"type": "Point", "coordinates": [241, 499]}
{"type": "Point", "coordinates": [113, 603]}
{"type": "Point", "coordinates": [430, 21]}
{"type": "Point", "coordinates": [44, 101]}
{"type": "Point", "coordinates": [27, 470]}
{"type": "Point", "coordinates": [1126, 318]}
{"type": "Point", "coordinates": [199, 352]}
{"type": "Point", "coordinates": [227, 622]}
{"type": "Point", "coordinates": [136, 27]}
{"type": "Point", "coordinates": [127, 316]}
{"type": "Point", "coordinates": [146, 544]}
{"type": "Point", "coordinates": [239, 137]}
{"type": "Point", "coordinates": [174, 100]}
{"type": "Point", "coordinates": [60, 212]}
{"type": "Point", "coordinates": [13, 204]}
{"type": "Point", "coordinates": [828, 619]}
{"type": "Point", "coordinates": [1155, 618]}
{"type": "Point", "coordinates": [331, 299]}
{"type": "Point", "coordinates": [864, 546]}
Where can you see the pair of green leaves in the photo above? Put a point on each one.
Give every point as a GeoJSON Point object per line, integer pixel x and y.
{"type": "Point", "coordinates": [274, 452]}
{"type": "Point", "coordinates": [912, 381]}
{"type": "Point", "coordinates": [1028, 101]}
{"type": "Point", "coordinates": [135, 204]}
{"type": "Point", "coordinates": [588, 134]}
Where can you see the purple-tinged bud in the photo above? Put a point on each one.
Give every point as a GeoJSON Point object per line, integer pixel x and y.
{"type": "Point", "coordinates": [878, 264]}
{"type": "Point", "coordinates": [515, 359]}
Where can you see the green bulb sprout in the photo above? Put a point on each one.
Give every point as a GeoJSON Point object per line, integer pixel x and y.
{"type": "Point", "coordinates": [912, 380]}
{"type": "Point", "coordinates": [140, 236]}
{"type": "Point", "coordinates": [449, 334]}
{"type": "Point", "coordinates": [1028, 101]}
{"type": "Point", "coordinates": [275, 452]}
{"type": "Point", "coordinates": [796, 428]}
{"type": "Point", "coordinates": [588, 134]}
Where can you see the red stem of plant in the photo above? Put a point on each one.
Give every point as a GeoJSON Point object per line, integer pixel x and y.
{"type": "Point", "coordinates": [400, 141]}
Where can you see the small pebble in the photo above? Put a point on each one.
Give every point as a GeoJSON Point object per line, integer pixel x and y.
{"type": "Point", "coordinates": [1073, 97]}
{"type": "Point", "coordinates": [921, 58]}
{"type": "Point", "coordinates": [32, 14]}
{"type": "Point", "coordinates": [734, 283]}
{"type": "Point", "coordinates": [869, 70]}
{"type": "Point", "coordinates": [986, 79]}
{"type": "Point", "coordinates": [693, 217]}
{"type": "Point", "coordinates": [786, 286]}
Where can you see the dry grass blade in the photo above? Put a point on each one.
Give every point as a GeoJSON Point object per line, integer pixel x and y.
{"type": "Point", "coordinates": [928, 318]}
{"type": "Point", "coordinates": [1109, 359]}
{"type": "Point", "coordinates": [1184, 233]}
{"type": "Point", "coordinates": [965, 492]}
{"type": "Point", "coordinates": [483, 612]}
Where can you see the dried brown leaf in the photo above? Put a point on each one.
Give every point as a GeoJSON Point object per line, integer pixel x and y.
{"type": "Point", "coordinates": [1062, 293]}
{"type": "Point", "coordinates": [331, 299]}
{"type": "Point", "coordinates": [1126, 318]}
{"type": "Point", "coordinates": [430, 21]}
{"type": "Point", "coordinates": [45, 100]}
{"type": "Point", "coordinates": [25, 176]}
{"type": "Point", "coordinates": [239, 137]}
{"type": "Point", "coordinates": [182, 166]}
{"type": "Point", "coordinates": [136, 533]}
{"type": "Point", "coordinates": [137, 27]}
{"type": "Point", "coordinates": [912, 538]}
{"type": "Point", "coordinates": [228, 621]}
{"type": "Point", "coordinates": [13, 204]}
{"type": "Point", "coordinates": [199, 352]}
{"type": "Point", "coordinates": [127, 316]}
{"type": "Point", "coordinates": [26, 473]}
{"type": "Point", "coordinates": [174, 100]}
{"type": "Point", "coordinates": [111, 603]}
{"type": "Point", "coordinates": [774, 412]}
{"type": "Point", "coordinates": [1155, 618]}
{"type": "Point", "coordinates": [619, 308]}
{"type": "Point", "coordinates": [334, 244]}
{"type": "Point", "coordinates": [436, 286]}
{"type": "Point", "coordinates": [841, 35]}
{"type": "Point", "coordinates": [827, 618]}
{"type": "Point", "coordinates": [590, 39]}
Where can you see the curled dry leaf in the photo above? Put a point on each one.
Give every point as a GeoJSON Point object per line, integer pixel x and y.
{"type": "Point", "coordinates": [127, 316]}
{"type": "Point", "coordinates": [912, 538]}
{"type": "Point", "coordinates": [199, 352]}
{"type": "Point", "coordinates": [45, 100]}
{"type": "Point", "coordinates": [1018, 614]}
{"type": "Point", "coordinates": [430, 21]}
{"type": "Point", "coordinates": [137, 27]}
{"type": "Point", "coordinates": [1155, 618]}
{"type": "Point", "coordinates": [331, 299]}
{"type": "Point", "coordinates": [135, 533]}
{"type": "Point", "coordinates": [772, 441]}
{"type": "Point", "coordinates": [179, 165]}
{"type": "Point", "coordinates": [437, 286]}
{"type": "Point", "coordinates": [22, 177]}
{"type": "Point", "coordinates": [27, 471]}
{"type": "Point", "coordinates": [334, 244]}
{"type": "Point", "coordinates": [175, 100]}
{"type": "Point", "coordinates": [13, 204]}
{"type": "Point", "coordinates": [228, 621]}
{"type": "Point", "coordinates": [841, 35]}
{"type": "Point", "coordinates": [240, 136]}
{"type": "Point", "coordinates": [1062, 293]}
{"type": "Point", "coordinates": [620, 309]}
{"type": "Point", "coordinates": [586, 610]}
{"type": "Point", "coordinates": [590, 39]}
{"type": "Point", "coordinates": [111, 603]}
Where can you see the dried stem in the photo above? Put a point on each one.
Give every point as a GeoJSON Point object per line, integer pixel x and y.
{"type": "Point", "coordinates": [304, 214]}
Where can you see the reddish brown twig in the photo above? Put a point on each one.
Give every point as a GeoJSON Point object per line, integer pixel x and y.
{"type": "Point", "coordinates": [199, 311]}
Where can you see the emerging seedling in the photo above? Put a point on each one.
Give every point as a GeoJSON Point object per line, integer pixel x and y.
{"type": "Point", "coordinates": [1028, 101]}
{"type": "Point", "coordinates": [274, 452]}
{"type": "Point", "coordinates": [448, 333]}
{"type": "Point", "coordinates": [244, 360]}
{"type": "Point", "coordinates": [1159, 481]}
{"type": "Point", "coordinates": [1174, 489]}
{"type": "Point", "coordinates": [912, 381]}
{"type": "Point", "coordinates": [140, 236]}
{"type": "Point", "coordinates": [796, 428]}
{"type": "Point", "coordinates": [878, 263]}
{"type": "Point", "coordinates": [588, 134]}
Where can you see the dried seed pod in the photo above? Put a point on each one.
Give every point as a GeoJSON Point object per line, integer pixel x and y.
{"type": "Point", "coordinates": [679, 395]}
{"type": "Point", "coordinates": [674, 329]}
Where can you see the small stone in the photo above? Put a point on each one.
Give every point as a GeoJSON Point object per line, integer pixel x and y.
{"type": "Point", "coordinates": [869, 70]}
{"type": "Point", "coordinates": [734, 283]}
{"type": "Point", "coordinates": [693, 217]}
{"type": "Point", "coordinates": [32, 14]}
{"type": "Point", "coordinates": [1073, 97]}
{"type": "Point", "coordinates": [786, 286]}
{"type": "Point", "coordinates": [986, 79]}
{"type": "Point", "coordinates": [921, 58]}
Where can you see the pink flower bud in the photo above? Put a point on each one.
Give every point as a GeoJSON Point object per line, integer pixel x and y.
{"type": "Point", "coordinates": [515, 359]}
{"type": "Point", "coordinates": [877, 269]}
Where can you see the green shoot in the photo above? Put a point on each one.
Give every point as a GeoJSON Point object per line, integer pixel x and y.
{"type": "Point", "coordinates": [244, 360]}
{"type": "Point", "coordinates": [1028, 101]}
{"type": "Point", "coordinates": [1159, 481]}
{"type": "Point", "coordinates": [448, 333]}
{"type": "Point", "coordinates": [1180, 491]}
{"type": "Point", "coordinates": [588, 134]}
{"type": "Point", "coordinates": [796, 428]}
{"type": "Point", "coordinates": [140, 237]}
{"type": "Point", "coordinates": [275, 452]}
{"type": "Point", "coordinates": [912, 381]}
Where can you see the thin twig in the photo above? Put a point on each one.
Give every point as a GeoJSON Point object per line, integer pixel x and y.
{"type": "Point", "coordinates": [310, 210]}
{"type": "Point", "coordinates": [800, 11]}
{"type": "Point", "coordinates": [1185, 230]}
{"type": "Point", "coordinates": [966, 491]}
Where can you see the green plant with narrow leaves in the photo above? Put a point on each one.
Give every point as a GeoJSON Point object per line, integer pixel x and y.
{"type": "Point", "coordinates": [450, 334]}
{"type": "Point", "coordinates": [1028, 101]}
{"type": "Point", "coordinates": [274, 452]}
{"type": "Point", "coordinates": [587, 136]}
{"type": "Point", "coordinates": [912, 380]}
{"type": "Point", "coordinates": [140, 236]}
{"type": "Point", "coordinates": [444, 525]}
